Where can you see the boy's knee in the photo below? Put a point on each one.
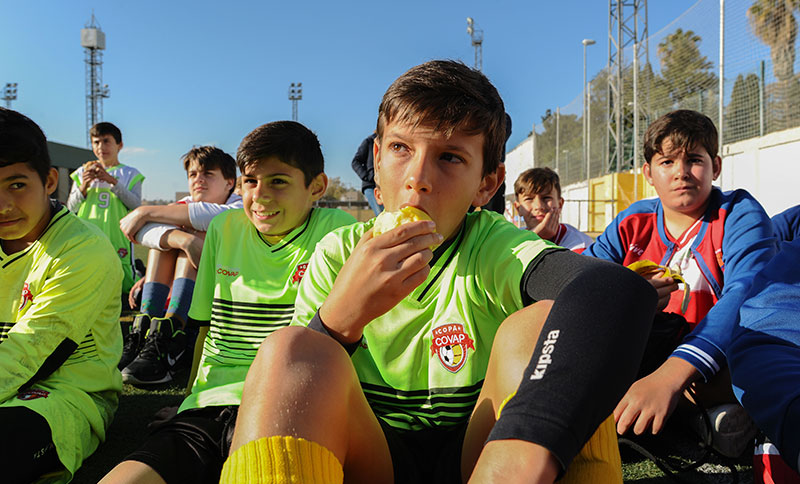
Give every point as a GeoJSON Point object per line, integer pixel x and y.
{"type": "Point", "coordinates": [296, 344]}
{"type": "Point", "coordinates": [521, 329]}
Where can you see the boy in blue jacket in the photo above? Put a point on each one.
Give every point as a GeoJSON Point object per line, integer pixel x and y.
{"type": "Point", "coordinates": [717, 241]}
{"type": "Point", "coordinates": [764, 355]}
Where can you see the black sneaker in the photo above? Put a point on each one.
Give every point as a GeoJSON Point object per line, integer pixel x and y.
{"type": "Point", "coordinates": [162, 354]}
{"type": "Point", "coordinates": [133, 341]}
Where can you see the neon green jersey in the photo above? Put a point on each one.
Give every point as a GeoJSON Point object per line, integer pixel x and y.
{"type": "Point", "coordinates": [422, 364]}
{"type": "Point", "coordinates": [65, 286]}
{"type": "Point", "coordinates": [103, 208]}
{"type": "Point", "coordinates": [246, 288]}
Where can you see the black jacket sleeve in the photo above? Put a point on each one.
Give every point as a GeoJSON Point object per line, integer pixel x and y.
{"type": "Point", "coordinates": [363, 163]}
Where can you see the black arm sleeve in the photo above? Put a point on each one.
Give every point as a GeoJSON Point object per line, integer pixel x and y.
{"type": "Point", "coordinates": [587, 354]}
{"type": "Point", "coordinates": [52, 362]}
{"type": "Point", "coordinates": [317, 325]}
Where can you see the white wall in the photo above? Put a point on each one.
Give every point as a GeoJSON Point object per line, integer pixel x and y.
{"type": "Point", "coordinates": [575, 211]}
{"type": "Point", "coordinates": [518, 160]}
{"type": "Point", "coordinates": [767, 167]}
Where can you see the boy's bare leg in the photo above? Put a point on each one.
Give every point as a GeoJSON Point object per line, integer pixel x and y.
{"type": "Point", "coordinates": [160, 266]}
{"type": "Point", "coordinates": [184, 268]}
{"type": "Point", "coordinates": [506, 460]}
{"type": "Point", "coordinates": [132, 472]}
{"type": "Point", "coordinates": [302, 384]}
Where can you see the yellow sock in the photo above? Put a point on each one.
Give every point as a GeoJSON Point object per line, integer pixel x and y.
{"type": "Point", "coordinates": [282, 460]}
{"type": "Point", "coordinates": [599, 461]}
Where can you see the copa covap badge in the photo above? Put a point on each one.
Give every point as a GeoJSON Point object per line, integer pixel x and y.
{"type": "Point", "coordinates": [450, 343]}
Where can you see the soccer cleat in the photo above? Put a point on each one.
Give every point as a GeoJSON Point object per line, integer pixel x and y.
{"type": "Point", "coordinates": [133, 341]}
{"type": "Point", "coordinates": [163, 353]}
{"type": "Point", "coordinates": [732, 429]}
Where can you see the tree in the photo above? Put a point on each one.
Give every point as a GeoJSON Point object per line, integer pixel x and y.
{"type": "Point", "coordinates": [773, 22]}
{"type": "Point", "coordinates": [743, 111]}
{"type": "Point", "coordinates": [655, 91]}
{"type": "Point", "coordinates": [568, 142]}
{"type": "Point", "coordinates": [336, 189]}
{"type": "Point", "coordinates": [687, 74]}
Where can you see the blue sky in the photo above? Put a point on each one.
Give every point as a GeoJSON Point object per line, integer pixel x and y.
{"type": "Point", "coordinates": [189, 73]}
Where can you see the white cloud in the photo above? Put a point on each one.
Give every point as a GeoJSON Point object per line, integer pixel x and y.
{"type": "Point", "coordinates": [136, 150]}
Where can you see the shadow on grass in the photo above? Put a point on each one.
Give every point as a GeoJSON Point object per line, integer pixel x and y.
{"type": "Point", "coordinates": [680, 448]}
{"type": "Point", "coordinates": [137, 408]}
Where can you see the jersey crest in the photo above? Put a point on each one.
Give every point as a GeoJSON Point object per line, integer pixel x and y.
{"type": "Point", "coordinates": [299, 272]}
{"type": "Point", "coordinates": [32, 394]}
{"type": "Point", "coordinates": [450, 342]}
{"type": "Point", "coordinates": [122, 252]}
{"type": "Point", "coordinates": [27, 297]}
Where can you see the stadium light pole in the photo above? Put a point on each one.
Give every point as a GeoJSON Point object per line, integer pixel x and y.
{"type": "Point", "coordinates": [585, 42]}
{"type": "Point", "coordinates": [295, 94]}
{"type": "Point", "coordinates": [9, 93]}
{"type": "Point", "coordinates": [476, 37]}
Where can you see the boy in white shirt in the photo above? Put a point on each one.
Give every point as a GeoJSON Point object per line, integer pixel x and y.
{"type": "Point", "coordinates": [539, 201]}
{"type": "Point", "coordinates": [157, 345]}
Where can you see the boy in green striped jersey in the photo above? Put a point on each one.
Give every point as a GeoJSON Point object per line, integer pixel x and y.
{"type": "Point", "coordinates": [252, 263]}
{"type": "Point", "coordinates": [419, 311]}
{"type": "Point", "coordinates": [59, 318]}
{"type": "Point", "coordinates": [105, 190]}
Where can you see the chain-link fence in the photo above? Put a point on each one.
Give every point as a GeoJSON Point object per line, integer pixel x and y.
{"type": "Point", "coordinates": [678, 68]}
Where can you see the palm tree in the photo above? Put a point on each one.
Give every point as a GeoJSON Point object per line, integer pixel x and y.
{"type": "Point", "coordinates": [774, 23]}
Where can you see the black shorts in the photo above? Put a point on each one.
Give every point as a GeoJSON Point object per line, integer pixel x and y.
{"type": "Point", "coordinates": [26, 445]}
{"type": "Point", "coordinates": [431, 455]}
{"type": "Point", "coordinates": [191, 446]}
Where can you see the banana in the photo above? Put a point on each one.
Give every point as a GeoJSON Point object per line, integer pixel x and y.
{"type": "Point", "coordinates": [647, 268]}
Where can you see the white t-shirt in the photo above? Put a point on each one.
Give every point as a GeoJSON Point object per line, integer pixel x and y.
{"type": "Point", "coordinates": [571, 238]}
{"type": "Point", "coordinates": [200, 215]}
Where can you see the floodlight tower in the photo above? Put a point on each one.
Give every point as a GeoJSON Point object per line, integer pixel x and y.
{"type": "Point", "coordinates": [93, 41]}
{"type": "Point", "coordinates": [295, 94]}
{"type": "Point", "coordinates": [476, 35]}
{"type": "Point", "coordinates": [9, 93]}
{"type": "Point", "coordinates": [627, 26]}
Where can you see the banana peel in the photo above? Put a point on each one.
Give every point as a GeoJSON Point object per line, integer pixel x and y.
{"type": "Point", "coordinates": [647, 268]}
